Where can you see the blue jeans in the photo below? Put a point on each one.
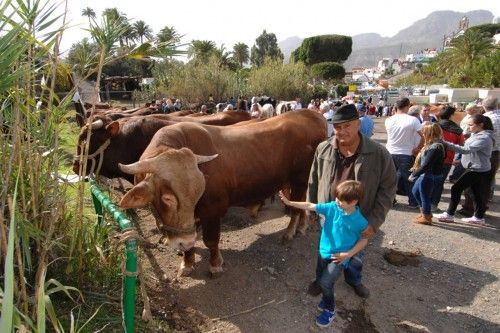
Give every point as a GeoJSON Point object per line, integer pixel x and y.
{"type": "Point", "coordinates": [438, 189]}
{"type": "Point", "coordinates": [403, 164]}
{"type": "Point", "coordinates": [423, 188]}
{"type": "Point", "coordinates": [327, 272]}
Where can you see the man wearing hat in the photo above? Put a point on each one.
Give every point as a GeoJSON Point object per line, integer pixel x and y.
{"type": "Point", "coordinates": [366, 126]}
{"type": "Point", "coordinates": [349, 155]}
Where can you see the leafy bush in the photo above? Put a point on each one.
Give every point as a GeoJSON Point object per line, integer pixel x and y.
{"type": "Point", "coordinates": [328, 70]}
{"type": "Point", "coordinates": [341, 89]}
{"type": "Point", "coordinates": [278, 80]}
{"type": "Point", "coordinates": [194, 82]}
{"type": "Point", "coordinates": [318, 91]}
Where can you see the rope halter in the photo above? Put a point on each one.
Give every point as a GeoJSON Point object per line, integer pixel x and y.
{"type": "Point", "coordinates": [91, 157]}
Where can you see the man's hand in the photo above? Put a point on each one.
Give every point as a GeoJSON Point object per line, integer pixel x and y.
{"type": "Point", "coordinates": [412, 178]}
{"type": "Point", "coordinates": [368, 233]}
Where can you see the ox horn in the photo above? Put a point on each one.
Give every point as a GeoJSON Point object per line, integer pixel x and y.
{"type": "Point", "coordinates": [204, 158]}
{"type": "Point", "coordinates": [144, 166]}
{"type": "Point", "coordinates": [97, 124]}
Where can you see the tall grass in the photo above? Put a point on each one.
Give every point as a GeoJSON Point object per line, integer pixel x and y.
{"type": "Point", "coordinates": [47, 237]}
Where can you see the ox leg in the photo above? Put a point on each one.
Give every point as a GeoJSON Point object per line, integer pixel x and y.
{"type": "Point", "coordinates": [292, 226]}
{"type": "Point", "coordinates": [253, 210]}
{"type": "Point", "coordinates": [297, 193]}
{"type": "Point", "coordinates": [211, 237]}
{"type": "Point", "coordinates": [303, 223]}
{"type": "Point", "coordinates": [187, 264]}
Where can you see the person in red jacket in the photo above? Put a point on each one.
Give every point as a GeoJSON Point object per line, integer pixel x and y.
{"type": "Point", "coordinates": [451, 133]}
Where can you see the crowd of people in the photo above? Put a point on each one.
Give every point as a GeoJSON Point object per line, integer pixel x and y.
{"type": "Point", "coordinates": [354, 180]}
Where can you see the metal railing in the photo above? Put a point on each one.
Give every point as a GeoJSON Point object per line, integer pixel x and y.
{"type": "Point", "coordinates": [101, 202]}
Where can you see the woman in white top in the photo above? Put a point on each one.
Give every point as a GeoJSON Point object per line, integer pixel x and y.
{"type": "Point", "coordinates": [255, 111]}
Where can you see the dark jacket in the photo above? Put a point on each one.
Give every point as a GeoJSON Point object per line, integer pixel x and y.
{"type": "Point", "coordinates": [431, 160]}
{"type": "Point", "coordinates": [373, 167]}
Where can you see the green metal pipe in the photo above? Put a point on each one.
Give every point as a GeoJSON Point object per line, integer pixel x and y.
{"type": "Point", "coordinates": [130, 279]}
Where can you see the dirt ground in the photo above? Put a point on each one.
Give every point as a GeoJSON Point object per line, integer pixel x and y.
{"type": "Point", "coordinates": [439, 278]}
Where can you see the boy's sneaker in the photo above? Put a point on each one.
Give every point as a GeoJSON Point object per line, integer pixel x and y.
{"type": "Point", "coordinates": [325, 319]}
{"type": "Point", "coordinates": [445, 217]}
{"type": "Point", "coordinates": [474, 220]}
{"type": "Point", "coordinates": [321, 305]}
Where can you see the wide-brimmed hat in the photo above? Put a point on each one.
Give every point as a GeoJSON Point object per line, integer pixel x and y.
{"type": "Point", "coordinates": [345, 113]}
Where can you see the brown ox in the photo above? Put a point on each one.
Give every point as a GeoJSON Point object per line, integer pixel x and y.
{"type": "Point", "coordinates": [254, 162]}
{"type": "Point", "coordinates": [123, 141]}
{"type": "Point", "coordinates": [117, 113]}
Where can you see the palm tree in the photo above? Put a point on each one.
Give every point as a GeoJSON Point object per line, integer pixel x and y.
{"type": "Point", "coordinates": [89, 12]}
{"type": "Point", "coordinates": [168, 35]}
{"type": "Point", "coordinates": [112, 14]}
{"type": "Point", "coordinates": [470, 47]}
{"type": "Point", "coordinates": [223, 57]}
{"type": "Point", "coordinates": [115, 17]}
{"type": "Point", "coordinates": [130, 35]}
{"type": "Point", "coordinates": [241, 53]}
{"type": "Point", "coordinates": [200, 50]}
{"type": "Point", "coordinates": [142, 30]}
{"type": "Point", "coordinates": [82, 56]}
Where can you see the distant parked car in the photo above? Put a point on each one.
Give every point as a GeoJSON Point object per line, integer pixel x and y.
{"type": "Point", "coordinates": [393, 92]}
{"type": "Point", "coordinates": [418, 91]}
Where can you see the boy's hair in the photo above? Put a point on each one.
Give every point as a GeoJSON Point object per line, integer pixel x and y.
{"type": "Point", "coordinates": [348, 191]}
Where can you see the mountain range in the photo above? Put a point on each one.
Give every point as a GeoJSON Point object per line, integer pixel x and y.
{"type": "Point", "coordinates": [369, 48]}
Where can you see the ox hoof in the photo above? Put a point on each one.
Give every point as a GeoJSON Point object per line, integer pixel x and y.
{"type": "Point", "coordinates": [185, 271]}
{"type": "Point", "coordinates": [300, 232]}
{"type": "Point", "coordinates": [215, 272]}
{"type": "Point", "coordinates": [286, 238]}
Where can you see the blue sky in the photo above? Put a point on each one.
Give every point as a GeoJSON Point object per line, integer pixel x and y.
{"type": "Point", "coordinates": [235, 21]}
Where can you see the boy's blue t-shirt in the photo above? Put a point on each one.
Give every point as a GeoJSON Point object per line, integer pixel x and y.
{"type": "Point", "coordinates": [340, 232]}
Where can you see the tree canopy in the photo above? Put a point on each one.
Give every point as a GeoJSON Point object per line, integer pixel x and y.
{"type": "Point", "coordinates": [266, 46]}
{"type": "Point", "coordinates": [142, 30]}
{"type": "Point", "coordinates": [490, 29]}
{"type": "Point", "coordinates": [168, 34]}
{"type": "Point", "coordinates": [201, 50]}
{"type": "Point", "coordinates": [331, 48]}
{"type": "Point", "coordinates": [241, 53]}
{"type": "Point", "coordinates": [472, 61]}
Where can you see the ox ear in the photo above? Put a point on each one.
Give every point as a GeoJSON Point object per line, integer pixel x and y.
{"type": "Point", "coordinates": [139, 196]}
{"type": "Point", "coordinates": [204, 158]}
{"type": "Point", "coordinates": [113, 129]}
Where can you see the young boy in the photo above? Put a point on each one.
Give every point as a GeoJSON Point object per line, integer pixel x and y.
{"type": "Point", "coordinates": [340, 240]}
